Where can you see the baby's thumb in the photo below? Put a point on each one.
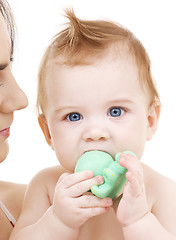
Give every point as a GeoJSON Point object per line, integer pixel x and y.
{"type": "Point", "coordinates": [62, 178]}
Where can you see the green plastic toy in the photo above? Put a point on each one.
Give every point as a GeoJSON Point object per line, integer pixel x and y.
{"type": "Point", "coordinates": [101, 163]}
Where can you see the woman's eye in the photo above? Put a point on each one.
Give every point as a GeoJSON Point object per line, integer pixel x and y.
{"type": "Point", "coordinates": [74, 117]}
{"type": "Point", "coordinates": [116, 112]}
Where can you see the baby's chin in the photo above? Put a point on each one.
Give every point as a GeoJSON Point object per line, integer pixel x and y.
{"type": "Point", "coordinates": [4, 150]}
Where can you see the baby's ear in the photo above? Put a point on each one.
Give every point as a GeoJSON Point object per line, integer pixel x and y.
{"type": "Point", "coordinates": [44, 126]}
{"type": "Point", "coordinates": [153, 117]}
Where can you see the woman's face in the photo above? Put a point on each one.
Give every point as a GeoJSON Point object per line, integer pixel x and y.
{"type": "Point", "coordinates": [11, 96]}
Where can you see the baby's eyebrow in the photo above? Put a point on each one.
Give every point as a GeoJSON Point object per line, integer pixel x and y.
{"type": "Point", "coordinates": [61, 108]}
{"type": "Point", "coordinates": [121, 100]}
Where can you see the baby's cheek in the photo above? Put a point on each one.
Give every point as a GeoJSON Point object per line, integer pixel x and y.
{"type": "Point", "coordinates": [66, 160]}
{"type": "Point", "coordinates": [134, 143]}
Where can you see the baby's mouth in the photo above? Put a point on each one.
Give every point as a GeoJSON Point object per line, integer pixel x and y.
{"type": "Point", "coordinates": [99, 150]}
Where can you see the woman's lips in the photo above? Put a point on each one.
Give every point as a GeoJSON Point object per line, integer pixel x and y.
{"type": "Point", "coordinates": [5, 132]}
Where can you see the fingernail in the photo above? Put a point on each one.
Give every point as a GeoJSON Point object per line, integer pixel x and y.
{"type": "Point", "coordinates": [123, 154]}
{"type": "Point", "coordinates": [89, 173]}
{"type": "Point", "coordinates": [100, 179]}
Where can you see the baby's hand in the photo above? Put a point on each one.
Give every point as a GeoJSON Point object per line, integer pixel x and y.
{"type": "Point", "coordinates": [133, 204]}
{"type": "Point", "coordinates": [71, 205]}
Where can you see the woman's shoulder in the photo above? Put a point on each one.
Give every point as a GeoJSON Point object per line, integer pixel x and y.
{"type": "Point", "coordinates": [12, 195]}
{"type": "Point", "coordinates": [10, 189]}
{"type": "Point", "coordinates": [10, 185]}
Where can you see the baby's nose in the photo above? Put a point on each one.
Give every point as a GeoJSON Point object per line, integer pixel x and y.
{"type": "Point", "coordinates": [96, 134]}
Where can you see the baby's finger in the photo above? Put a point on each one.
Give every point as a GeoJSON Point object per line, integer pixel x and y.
{"type": "Point", "coordinates": [91, 201]}
{"type": "Point", "coordinates": [92, 212]}
{"type": "Point", "coordinates": [134, 188]}
{"type": "Point", "coordinates": [132, 164]}
{"type": "Point", "coordinates": [62, 177]}
{"type": "Point", "coordinates": [72, 179]}
{"type": "Point", "coordinates": [84, 186]}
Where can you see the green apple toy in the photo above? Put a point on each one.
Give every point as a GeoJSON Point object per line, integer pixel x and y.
{"type": "Point", "coordinates": [101, 163]}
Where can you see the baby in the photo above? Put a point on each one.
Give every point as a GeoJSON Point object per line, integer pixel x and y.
{"type": "Point", "coordinates": [96, 92]}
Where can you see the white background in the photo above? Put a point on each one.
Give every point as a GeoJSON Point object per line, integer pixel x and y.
{"type": "Point", "coordinates": [153, 22]}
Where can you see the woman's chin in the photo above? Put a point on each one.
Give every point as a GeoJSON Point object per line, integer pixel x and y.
{"type": "Point", "coordinates": [4, 150]}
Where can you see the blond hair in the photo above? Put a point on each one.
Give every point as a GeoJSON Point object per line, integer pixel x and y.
{"type": "Point", "coordinates": [83, 41]}
{"type": "Point", "coordinates": [6, 12]}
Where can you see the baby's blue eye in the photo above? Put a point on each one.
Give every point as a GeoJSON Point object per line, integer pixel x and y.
{"type": "Point", "coordinates": [74, 116]}
{"type": "Point", "coordinates": [116, 112]}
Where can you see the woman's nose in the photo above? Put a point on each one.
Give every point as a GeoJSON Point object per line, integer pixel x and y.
{"type": "Point", "coordinates": [96, 133]}
{"type": "Point", "coordinates": [13, 99]}
{"type": "Point", "coordinates": [20, 99]}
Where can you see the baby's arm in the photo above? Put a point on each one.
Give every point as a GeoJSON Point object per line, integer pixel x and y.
{"type": "Point", "coordinates": [69, 209]}
{"type": "Point", "coordinates": [148, 227]}
{"type": "Point", "coordinates": [137, 220]}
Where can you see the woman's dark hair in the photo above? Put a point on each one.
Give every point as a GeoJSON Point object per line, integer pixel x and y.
{"type": "Point", "coordinates": [6, 12]}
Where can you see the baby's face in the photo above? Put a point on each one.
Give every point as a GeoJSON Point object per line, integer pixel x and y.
{"type": "Point", "coordinates": [96, 107]}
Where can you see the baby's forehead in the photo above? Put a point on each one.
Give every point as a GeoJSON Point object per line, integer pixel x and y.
{"type": "Point", "coordinates": [58, 65]}
{"type": "Point", "coordinates": [85, 59]}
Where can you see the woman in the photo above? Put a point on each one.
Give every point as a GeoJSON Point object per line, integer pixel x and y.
{"type": "Point", "coordinates": [11, 98]}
